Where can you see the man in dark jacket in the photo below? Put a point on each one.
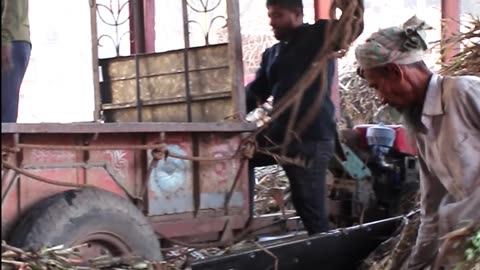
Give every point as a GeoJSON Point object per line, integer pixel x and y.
{"type": "Point", "coordinates": [281, 67]}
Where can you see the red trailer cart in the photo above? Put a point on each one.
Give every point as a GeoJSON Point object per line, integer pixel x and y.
{"type": "Point", "coordinates": [165, 158]}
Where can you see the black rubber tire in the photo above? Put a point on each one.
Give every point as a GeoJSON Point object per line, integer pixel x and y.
{"type": "Point", "coordinates": [71, 215]}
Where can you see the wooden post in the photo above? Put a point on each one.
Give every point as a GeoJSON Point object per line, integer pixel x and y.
{"type": "Point", "coordinates": [450, 13]}
{"type": "Point", "coordinates": [235, 57]}
{"type": "Point", "coordinates": [149, 20]}
{"type": "Point", "coordinates": [145, 13]}
{"type": "Point", "coordinates": [137, 26]}
{"type": "Point", "coordinates": [96, 78]}
{"type": "Point", "coordinates": [186, 66]}
{"type": "Point", "coordinates": [322, 11]}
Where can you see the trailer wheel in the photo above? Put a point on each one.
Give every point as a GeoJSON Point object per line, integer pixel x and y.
{"type": "Point", "coordinates": [106, 223]}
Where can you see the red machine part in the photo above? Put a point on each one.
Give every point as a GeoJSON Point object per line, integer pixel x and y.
{"type": "Point", "coordinates": [403, 143]}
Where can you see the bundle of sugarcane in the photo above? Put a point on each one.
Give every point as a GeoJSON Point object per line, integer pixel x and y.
{"type": "Point", "coordinates": [270, 180]}
{"type": "Point", "coordinates": [461, 249]}
{"type": "Point", "coordinates": [62, 258]}
{"type": "Point", "coordinates": [393, 253]}
{"type": "Point", "coordinates": [467, 61]}
{"type": "Point", "coordinates": [358, 102]}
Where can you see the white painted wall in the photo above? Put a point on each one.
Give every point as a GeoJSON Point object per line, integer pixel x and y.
{"type": "Point", "coordinates": [58, 85]}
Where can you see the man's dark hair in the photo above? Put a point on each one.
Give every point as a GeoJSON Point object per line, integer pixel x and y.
{"type": "Point", "coordinates": [286, 3]}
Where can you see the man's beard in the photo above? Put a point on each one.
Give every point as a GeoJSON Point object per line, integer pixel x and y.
{"type": "Point", "coordinates": [282, 34]}
{"type": "Point", "coordinates": [412, 118]}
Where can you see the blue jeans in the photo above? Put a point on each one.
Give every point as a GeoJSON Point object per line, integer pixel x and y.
{"type": "Point", "coordinates": [12, 80]}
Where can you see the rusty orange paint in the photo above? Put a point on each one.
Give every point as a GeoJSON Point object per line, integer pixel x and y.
{"type": "Point", "coordinates": [451, 16]}
{"type": "Point", "coordinates": [322, 11]}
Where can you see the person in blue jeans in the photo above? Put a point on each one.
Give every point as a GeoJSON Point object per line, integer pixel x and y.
{"type": "Point", "coordinates": [16, 47]}
{"type": "Point", "coordinates": [282, 65]}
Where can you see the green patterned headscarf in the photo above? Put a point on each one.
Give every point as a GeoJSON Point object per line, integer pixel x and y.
{"type": "Point", "coordinates": [399, 45]}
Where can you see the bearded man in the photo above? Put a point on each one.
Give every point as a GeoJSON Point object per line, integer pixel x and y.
{"type": "Point", "coordinates": [443, 114]}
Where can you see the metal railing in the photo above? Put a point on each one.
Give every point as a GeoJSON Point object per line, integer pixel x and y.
{"type": "Point", "coordinates": [116, 24]}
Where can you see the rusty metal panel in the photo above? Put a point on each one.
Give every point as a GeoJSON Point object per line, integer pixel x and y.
{"type": "Point", "coordinates": [121, 163]}
{"type": "Point", "coordinates": [132, 128]}
{"type": "Point", "coordinates": [165, 63]}
{"type": "Point", "coordinates": [10, 210]}
{"type": "Point", "coordinates": [162, 84]}
{"type": "Point", "coordinates": [171, 187]}
{"type": "Point", "coordinates": [206, 110]}
{"type": "Point", "coordinates": [190, 227]}
{"type": "Point", "coordinates": [60, 165]}
{"type": "Point", "coordinates": [217, 177]}
{"type": "Point", "coordinates": [32, 191]}
{"type": "Point", "coordinates": [171, 181]}
{"type": "Point", "coordinates": [10, 207]}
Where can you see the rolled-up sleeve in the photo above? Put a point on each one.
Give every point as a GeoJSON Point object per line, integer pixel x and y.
{"type": "Point", "coordinates": [432, 192]}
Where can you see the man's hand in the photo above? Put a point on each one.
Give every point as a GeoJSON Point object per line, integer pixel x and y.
{"type": "Point", "coordinates": [7, 57]}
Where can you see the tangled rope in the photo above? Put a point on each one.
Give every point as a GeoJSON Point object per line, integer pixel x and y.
{"type": "Point", "coordinates": [245, 151]}
{"type": "Point", "coordinates": [14, 168]}
{"type": "Point", "coordinates": [160, 151]}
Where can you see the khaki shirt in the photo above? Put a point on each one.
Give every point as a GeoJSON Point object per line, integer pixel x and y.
{"type": "Point", "coordinates": [449, 157]}
{"type": "Point", "coordinates": [15, 22]}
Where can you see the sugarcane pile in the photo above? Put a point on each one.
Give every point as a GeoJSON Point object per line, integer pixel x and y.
{"type": "Point", "coordinates": [462, 247]}
{"type": "Point", "coordinates": [358, 102]}
{"type": "Point", "coordinates": [62, 258]}
{"type": "Point", "coordinates": [467, 61]}
{"type": "Point", "coordinates": [271, 190]}
{"type": "Point", "coordinates": [393, 253]}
